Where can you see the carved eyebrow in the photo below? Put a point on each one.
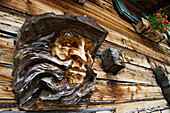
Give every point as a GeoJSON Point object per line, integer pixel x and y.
{"type": "Point", "coordinates": [69, 34]}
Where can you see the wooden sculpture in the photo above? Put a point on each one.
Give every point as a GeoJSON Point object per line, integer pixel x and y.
{"type": "Point", "coordinates": [112, 60]}
{"type": "Point", "coordinates": [52, 62]}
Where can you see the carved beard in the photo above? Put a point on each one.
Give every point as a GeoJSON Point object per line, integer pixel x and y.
{"type": "Point", "coordinates": [38, 76]}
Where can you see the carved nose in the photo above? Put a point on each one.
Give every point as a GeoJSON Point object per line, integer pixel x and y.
{"type": "Point", "coordinates": [79, 55]}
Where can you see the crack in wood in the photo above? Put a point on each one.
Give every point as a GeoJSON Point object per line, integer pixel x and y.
{"type": "Point", "coordinates": [15, 10]}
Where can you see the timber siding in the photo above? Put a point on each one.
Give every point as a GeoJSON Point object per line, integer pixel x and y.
{"type": "Point", "coordinates": [133, 89]}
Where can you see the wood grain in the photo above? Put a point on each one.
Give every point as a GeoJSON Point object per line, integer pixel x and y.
{"type": "Point", "coordinates": [120, 31]}
{"type": "Point", "coordinates": [133, 89]}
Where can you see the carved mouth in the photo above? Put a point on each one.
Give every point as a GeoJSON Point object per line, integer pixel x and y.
{"type": "Point", "coordinates": [76, 76]}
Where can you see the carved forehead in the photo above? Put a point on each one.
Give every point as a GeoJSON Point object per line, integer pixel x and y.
{"type": "Point", "coordinates": [71, 36]}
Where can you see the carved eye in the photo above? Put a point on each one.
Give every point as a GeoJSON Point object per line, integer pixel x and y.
{"type": "Point", "coordinates": [66, 44]}
{"type": "Point", "coordinates": [74, 44]}
{"type": "Point", "coordinates": [87, 50]}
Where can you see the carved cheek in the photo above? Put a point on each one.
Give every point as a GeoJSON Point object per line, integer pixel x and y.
{"type": "Point", "coordinates": [89, 59]}
{"type": "Point", "coordinates": [61, 53]}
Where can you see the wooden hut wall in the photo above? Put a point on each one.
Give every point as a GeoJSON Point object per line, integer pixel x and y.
{"type": "Point", "coordinates": [133, 89]}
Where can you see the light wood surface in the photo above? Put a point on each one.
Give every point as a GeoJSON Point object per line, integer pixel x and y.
{"type": "Point", "coordinates": [133, 89]}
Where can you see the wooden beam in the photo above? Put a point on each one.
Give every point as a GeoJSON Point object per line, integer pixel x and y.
{"type": "Point", "coordinates": [120, 32]}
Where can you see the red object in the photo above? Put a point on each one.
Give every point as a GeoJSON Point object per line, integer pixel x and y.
{"type": "Point", "coordinates": [157, 14]}
{"type": "Point", "coordinates": [166, 16]}
{"type": "Point", "coordinates": [165, 29]}
{"type": "Point", "coordinates": [163, 12]}
{"type": "Point", "coordinates": [160, 8]}
{"type": "Point", "coordinates": [166, 21]}
{"type": "Point", "coordinates": [158, 19]}
{"type": "Point", "coordinates": [163, 22]}
{"type": "Point", "coordinates": [159, 26]}
{"type": "Point", "coordinates": [163, 19]}
{"type": "Point", "coordinates": [169, 22]}
{"type": "Point", "coordinates": [149, 30]}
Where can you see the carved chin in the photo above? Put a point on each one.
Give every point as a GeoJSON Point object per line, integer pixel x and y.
{"type": "Point", "coordinates": [75, 76]}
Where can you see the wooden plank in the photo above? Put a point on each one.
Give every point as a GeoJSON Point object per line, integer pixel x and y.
{"type": "Point", "coordinates": [129, 55]}
{"type": "Point", "coordinates": [154, 63]}
{"type": "Point", "coordinates": [137, 58]}
{"type": "Point", "coordinates": [120, 92]}
{"type": "Point", "coordinates": [146, 106]}
{"type": "Point", "coordinates": [130, 73]}
{"type": "Point", "coordinates": [105, 90]}
{"type": "Point", "coordinates": [120, 32]}
{"type": "Point", "coordinates": [132, 106]}
{"type": "Point", "coordinates": [133, 88]}
{"type": "Point", "coordinates": [32, 7]}
{"type": "Point", "coordinates": [7, 43]}
{"type": "Point", "coordinates": [6, 50]}
{"type": "Point", "coordinates": [5, 56]}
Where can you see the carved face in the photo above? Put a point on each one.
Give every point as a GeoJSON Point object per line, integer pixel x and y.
{"type": "Point", "coordinates": [76, 48]}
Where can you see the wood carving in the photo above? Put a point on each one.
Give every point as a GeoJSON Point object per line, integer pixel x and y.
{"type": "Point", "coordinates": [112, 60]}
{"type": "Point", "coordinates": [52, 62]}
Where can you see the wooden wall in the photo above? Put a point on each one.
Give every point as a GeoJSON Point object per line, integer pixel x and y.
{"type": "Point", "coordinates": [133, 89]}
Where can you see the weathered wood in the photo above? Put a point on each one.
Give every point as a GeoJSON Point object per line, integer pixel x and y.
{"type": "Point", "coordinates": [163, 80]}
{"type": "Point", "coordinates": [132, 106]}
{"type": "Point", "coordinates": [125, 33]}
{"type": "Point", "coordinates": [131, 73]}
{"type": "Point", "coordinates": [108, 92]}
{"type": "Point", "coordinates": [139, 106]}
{"type": "Point", "coordinates": [121, 92]}
{"type": "Point", "coordinates": [112, 60]}
{"type": "Point", "coordinates": [133, 89]}
{"type": "Point", "coordinates": [127, 88]}
{"type": "Point", "coordinates": [129, 55]}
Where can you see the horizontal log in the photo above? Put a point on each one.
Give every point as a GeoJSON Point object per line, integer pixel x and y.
{"type": "Point", "coordinates": [13, 18]}
{"type": "Point", "coordinates": [32, 7]}
{"type": "Point", "coordinates": [120, 32]}
{"type": "Point", "coordinates": [6, 50]}
{"type": "Point", "coordinates": [140, 106]}
{"type": "Point", "coordinates": [118, 92]}
{"type": "Point", "coordinates": [133, 106]}
{"type": "Point", "coordinates": [155, 63]}
{"type": "Point", "coordinates": [105, 89]}
{"type": "Point", "coordinates": [130, 73]}
{"type": "Point", "coordinates": [130, 56]}
{"type": "Point", "coordinates": [134, 88]}
{"type": "Point", "coordinates": [6, 44]}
